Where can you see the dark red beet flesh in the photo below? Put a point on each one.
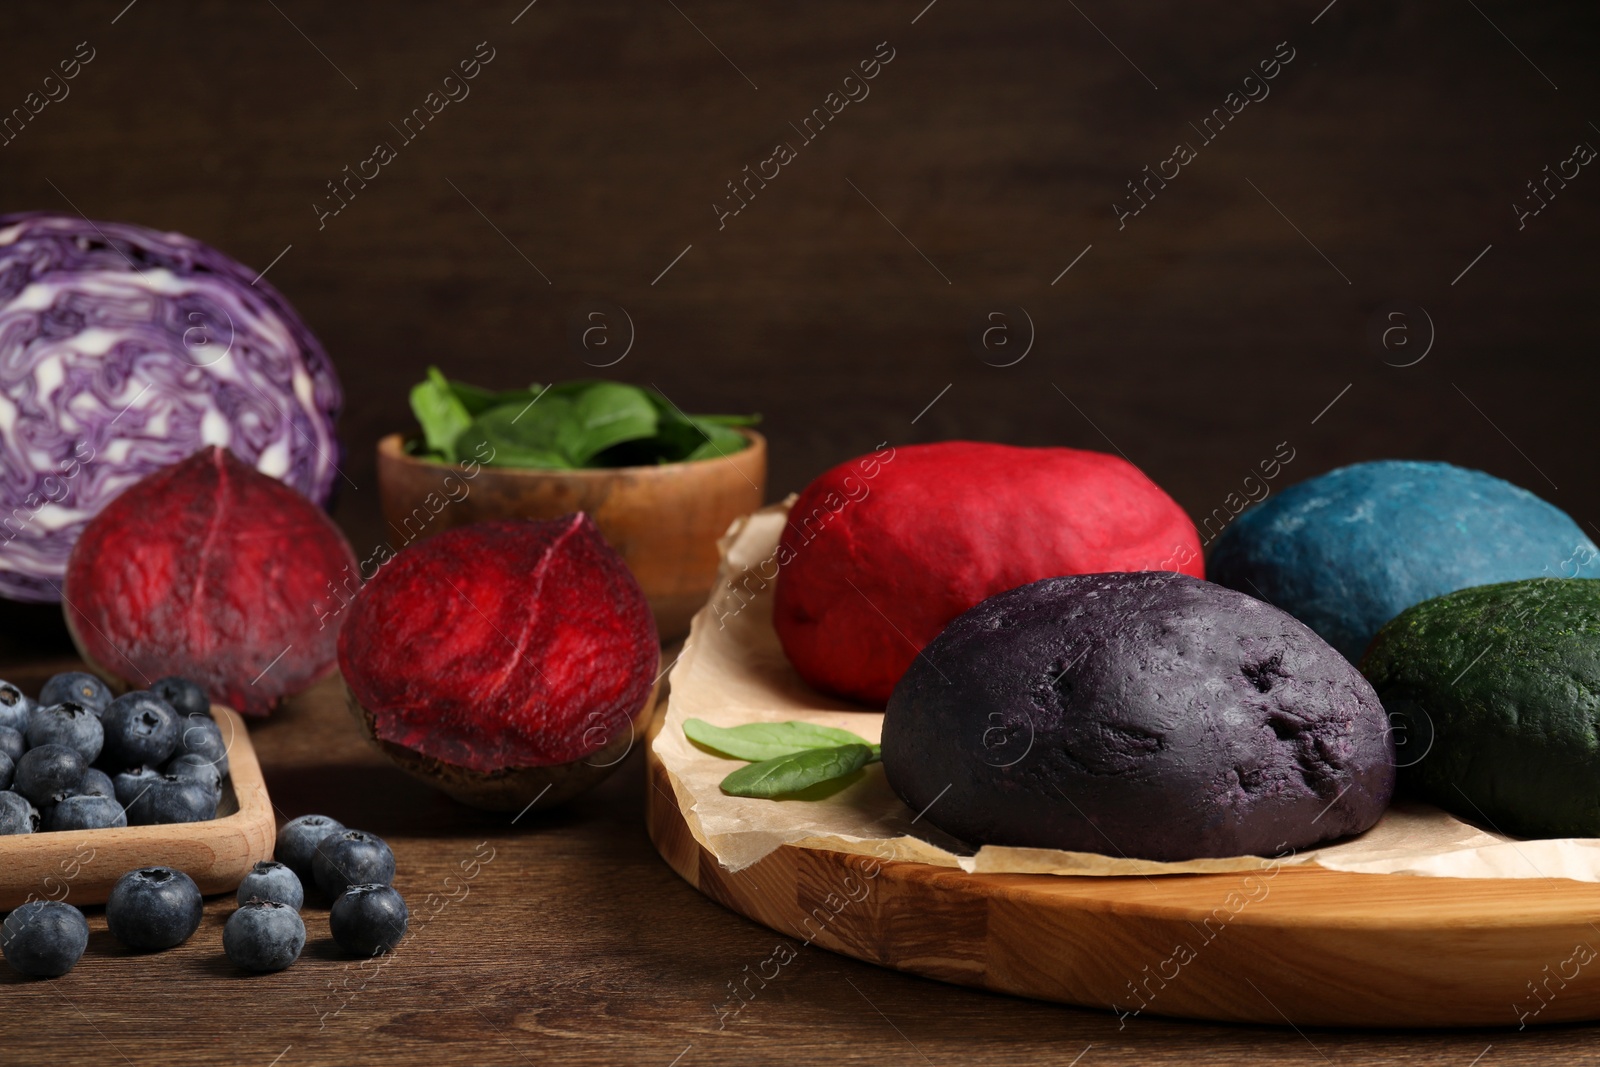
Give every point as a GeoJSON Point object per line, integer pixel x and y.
{"type": "Point", "coordinates": [211, 570]}
{"type": "Point", "coordinates": [502, 644]}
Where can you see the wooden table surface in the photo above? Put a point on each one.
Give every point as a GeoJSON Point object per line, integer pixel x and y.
{"type": "Point", "coordinates": [1233, 313]}
{"type": "Point", "coordinates": [564, 939]}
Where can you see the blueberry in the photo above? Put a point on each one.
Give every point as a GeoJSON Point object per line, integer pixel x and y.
{"type": "Point", "coordinates": [271, 880]}
{"type": "Point", "coordinates": [351, 857]}
{"type": "Point", "coordinates": [7, 770]}
{"type": "Point", "coordinates": [297, 842]}
{"type": "Point", "coordinates": [17, 816]}
{"type": "Point", "coordinates": [171, 799]}
{"type": "Point", "coordinates": [264, 935]}
{"type": "Point", "coordinates": [129, 784]}
{"type": "Point", "coordinates": [154, 908]}
{"type": "Point", "coordinates": [77, 687]}
{"type": "Point", "coordinates": [12, 743]}
{"type": "Point", "coordinates": [85, 812]}
{"type": "Point", "coordinates": [200, 735]}
{"type": "Point", "coordinates": [140, 728]}
{"type": "Point", "coordinates": [185, 696]}
{"type": "Point", "coordinates": [195, 768]}
{"type": "Point", "coordinates": [49, 772]}
{"type": "Point", "coordinates": [15, 709]}
{"type": "Point", "coordinates": [97, 783]}
{"type": "Point", "coordinates": [44, 938]}
{"type": "Point", "coordinates": [67, 724]}
{"type": "Point", "coordinates": [369, 919]}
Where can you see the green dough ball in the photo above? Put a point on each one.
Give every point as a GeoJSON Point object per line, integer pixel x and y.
{"type": "Point", "coordinates": [1493, 693]}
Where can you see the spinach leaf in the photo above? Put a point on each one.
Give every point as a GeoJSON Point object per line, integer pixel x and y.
{"type": "Point", "coordinates": [766, 740]}
{"type": "Point", "coordinates": [586, 423]}
{"type": "Point", "coordinates": [687, 437]}
{"type": "Point", "coordinates": [477, 400]}
{"type": "Point", "coordinates": [532, 434]}
{"type": "Point", "coordinates": [606, 414]}
{"type": "Point", "coordinates": [796, 771]}
{"type": "Point", "coordinates": [440, 413]}
{"type": "Point", "coordinates": [683, 439]}
{"type": "Point", "coordinates": [474, 400]}
{"type": "Point", "coordinates": [715, 440]}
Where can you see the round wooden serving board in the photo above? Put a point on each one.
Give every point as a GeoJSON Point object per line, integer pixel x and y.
{"type": "Point", "coordinates": [1289, 945]}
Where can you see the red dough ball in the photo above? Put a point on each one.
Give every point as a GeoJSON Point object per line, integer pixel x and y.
{"type": "Point", "coordinates": [880, 553]}
{"type": "Point", "coordinates": [211, 570]}
{"type": "Point", "coordinates": [502, 645]}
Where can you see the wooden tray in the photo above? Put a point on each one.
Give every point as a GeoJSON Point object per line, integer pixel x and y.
{"type": "Point", "coordinates": [1303, 947]}
{"type": "Point", "coordinates": [81, 866]}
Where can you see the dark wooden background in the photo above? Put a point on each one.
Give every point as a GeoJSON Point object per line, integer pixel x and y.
{"type": "Point", "coordinates": [1219, 322]}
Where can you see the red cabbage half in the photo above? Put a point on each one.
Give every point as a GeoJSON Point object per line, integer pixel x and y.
{"type": "Point", "coordinates": [124, 350]}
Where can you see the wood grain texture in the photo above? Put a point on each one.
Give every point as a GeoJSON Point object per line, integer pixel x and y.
{"type": "Point", "coordinates": [664, 521]}
{"type": "Point", "coordinates": [595, 143]}
{"type": "Point", "coordinates": [81, 866]}
{"type": "Point", "coordinates": [1323, 948]}
{"type": "Point", "coordinates": [575, 944]}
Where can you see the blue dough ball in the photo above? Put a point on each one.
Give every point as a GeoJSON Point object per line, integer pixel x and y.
{"type": "Point", "coordinates": [1348, 550]}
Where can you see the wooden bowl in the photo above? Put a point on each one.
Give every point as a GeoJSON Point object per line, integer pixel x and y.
{"type": "Point", "coordinates": [517, 788]}
{"type": "Point", "coordinates": [663, 520]}
{"type": "Point", "coordinates": [81, 866]}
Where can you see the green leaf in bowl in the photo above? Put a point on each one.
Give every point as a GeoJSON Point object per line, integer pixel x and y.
{"type": "Point", "coordinates": [440, 413]}
{"type": "Point", "coordinates": [715, 440]}
{"type": "Point", "coordinates": [578, 424]}
{"type": "Point", "coordinates": [533, 434]}
{"type": "Point", "coordinates": [478, 400]}
{"type": "Point", "coordinates": [606, 414]}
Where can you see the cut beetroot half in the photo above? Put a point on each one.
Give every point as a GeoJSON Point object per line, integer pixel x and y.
{"type": "Point", "coordinates": [211, 570]}
{"type": "Point", "coordinates": [499, 647]}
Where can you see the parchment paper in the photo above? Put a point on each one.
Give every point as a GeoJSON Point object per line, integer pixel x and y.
{"type": "Point", "coordinates": [733, 670]}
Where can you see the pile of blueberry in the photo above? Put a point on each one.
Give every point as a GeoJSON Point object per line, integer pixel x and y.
{"type": "Point", "coordinates": [76, 759]}
{"type": "Point", "coordinates": [351, 868]}
{"type": "Point", "coordinates": [156, 908]}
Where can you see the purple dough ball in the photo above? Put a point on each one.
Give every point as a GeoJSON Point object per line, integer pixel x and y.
{"type": "Point", "coordinates": [1148, 715]}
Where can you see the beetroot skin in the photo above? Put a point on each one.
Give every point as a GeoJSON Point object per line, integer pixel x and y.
{"type": "Point", "coordinates": [881, 552]}
{"type": "Point", "coordinates": [211, 570]}
{"type": "Point", "coordinates": [502, 645]}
